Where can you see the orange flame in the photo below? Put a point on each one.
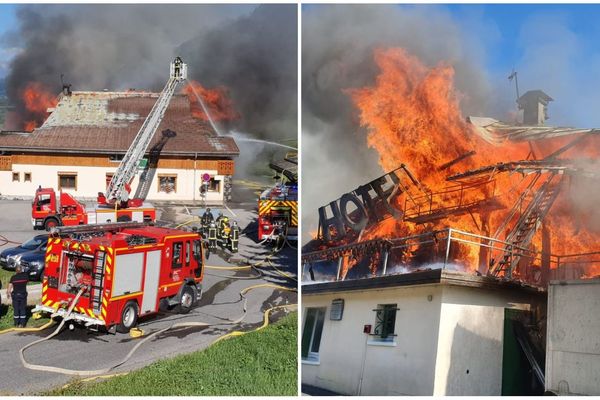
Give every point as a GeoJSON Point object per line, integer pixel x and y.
{"type": "Point", "coordinates": [216, 100]}
{"type": "Point", "coordinates": [37, 98]}
{"type": "Point", "coordinates": [412, 114]}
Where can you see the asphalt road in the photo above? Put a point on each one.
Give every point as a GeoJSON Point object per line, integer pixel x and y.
{"type": "Point", "coordinates": [85, 350]}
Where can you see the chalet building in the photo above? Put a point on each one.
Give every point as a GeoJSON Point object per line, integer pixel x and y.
{"type": "Point", "coordinates": [80, 145]}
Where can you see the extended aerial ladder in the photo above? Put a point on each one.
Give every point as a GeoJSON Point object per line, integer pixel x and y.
{"type": "Point", "coordinates": [118, 189]}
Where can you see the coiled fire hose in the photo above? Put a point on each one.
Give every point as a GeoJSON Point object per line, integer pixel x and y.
{"type": "Point", "coordinates": [66, 371]}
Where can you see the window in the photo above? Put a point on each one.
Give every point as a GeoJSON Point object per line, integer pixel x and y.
{"type": "Point", "coordinates": [116, 157]}
{"type": "Point", "coordinates": [27, 177]}
{"type": "Point", "coordinates": [311, 335]}
{"type": "Point", "coordinates": [177, 256]}
{"type": "Point", "coordinates": [167, 183]}
{"type": "Point", "coordinates": [214, 185]}
{"type": "Point", "coordinates": [385, 322]}
{"type": "Point", "coordinates": [187, 254]}
{"type": "Point", "coordinates": [198, 258]}
{"type": "Point", "coordinates": [67, 180]}
{"type": "Point", "coordinates": [44, 199]}
{"type": "Point", "coordinates": [16, 177]}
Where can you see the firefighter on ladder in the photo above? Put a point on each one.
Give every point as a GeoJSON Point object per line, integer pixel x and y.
{"type": "Point", "coordinates": [212, 236]}
{"type": "Point", "coordinates": [234, 237]}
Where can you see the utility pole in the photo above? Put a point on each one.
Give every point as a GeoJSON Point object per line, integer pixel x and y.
{"type": "Point", "coordinates": [513, 75]}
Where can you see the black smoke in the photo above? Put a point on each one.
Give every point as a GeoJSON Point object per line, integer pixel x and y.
{"type": "Point", "coordinates": [256, 57]}
{"type": "Point", "coordinates": [251, 50]}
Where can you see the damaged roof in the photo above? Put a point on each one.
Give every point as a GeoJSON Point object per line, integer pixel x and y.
{"type": "Point", "coordinates": [423, 277]}
{"type": "Point", "coordinates": [107, 122]}
{"type": "Point", "coordinates": [497, 132]}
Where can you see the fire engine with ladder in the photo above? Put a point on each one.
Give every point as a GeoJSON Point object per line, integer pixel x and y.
{"type": "Point", "coordinates": [49, 209]}
{"type": "Point", "coordinates": [278, 205]}
{"type": "Point", "coordinates": [126, 270]}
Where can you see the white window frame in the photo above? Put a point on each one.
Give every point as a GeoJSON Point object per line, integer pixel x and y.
{"type": "Point", "coordinates": [313, 357]}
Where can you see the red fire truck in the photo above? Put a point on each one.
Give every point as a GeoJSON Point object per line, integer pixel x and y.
{"type": "Point", "coordinates": [278, 205]}
{"type": "Point", "coordinates": [49, 210]}
{"type": "Point", "coordinates": [126, 270]}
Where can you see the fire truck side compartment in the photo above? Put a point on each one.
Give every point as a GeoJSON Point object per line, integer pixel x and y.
{"type": "Point", "coordinates": [128, 274]}
{"type": "Point", "coordinates": [151, 280]}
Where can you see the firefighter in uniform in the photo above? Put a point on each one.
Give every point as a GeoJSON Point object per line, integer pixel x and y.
{"type": "Point", "coordinates": [222, 226]}
{"type": "Point", "coordinates": [206, 220]}
{"type": "Point", "coordinates": [212, 236]}
{"type": "Point", "coordinates": [17, 289]}
{"type": "Point", "coordinates": [234, 237]}
{"type": "Point", "coordinates": [219, 218]}
{"type": "Point", "coordinates": [224, 230]}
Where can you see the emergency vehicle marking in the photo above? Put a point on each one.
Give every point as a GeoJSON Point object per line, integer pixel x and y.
{"type": "Point", "coordinates": [126, 296]}
{"type": "Point", "coordinates": [170, 284]}
{"type": "Point", "coordinates": [266, 205]}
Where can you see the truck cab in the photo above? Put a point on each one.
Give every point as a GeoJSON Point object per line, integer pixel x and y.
{"type": "Point", "coordinates": [49, 210]}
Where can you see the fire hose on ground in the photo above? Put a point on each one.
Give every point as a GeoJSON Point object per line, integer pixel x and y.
{"type": "Point", "coordinates": [102, 371]}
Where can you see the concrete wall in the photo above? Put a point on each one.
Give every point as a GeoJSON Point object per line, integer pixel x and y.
{"type": "Point", "coordinates": [90, 180]}
{"type": "Point", "coordinates": [573, 339]}
{"type": "Point", "coordinates": [470, 343]}
{"type": "Point", "coordinates": [407, 368]}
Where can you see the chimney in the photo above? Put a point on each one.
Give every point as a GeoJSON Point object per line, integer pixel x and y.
{"type": "Point", "coordinates": [534, 104]}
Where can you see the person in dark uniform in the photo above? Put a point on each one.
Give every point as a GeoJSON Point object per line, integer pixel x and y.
{"type": "Point", "coordinates": [206, 219]}
{"type": "Point", "coordinates": [234, 237]}
{"type": "Point", "coordinates": [17, 289]}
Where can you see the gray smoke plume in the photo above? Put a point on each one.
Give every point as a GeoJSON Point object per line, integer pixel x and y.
{"type": "Point", "coordinates": [337, 54]}
{"type": "Point", "coordinates": [130, 46]}
{"type": "Point", "coordinates": [256, 57]}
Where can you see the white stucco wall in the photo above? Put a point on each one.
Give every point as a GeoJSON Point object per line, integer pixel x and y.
{"type": "Point", "coordinates": [573, 339]}
{"type": "Point", "coordinates": [91, 180]}
{"type": "Point", "coordinates": [460, 329]}
{"type": "Point", "coordinates": [404, 369]}
{"type": "Point", "coordinates": [470, 343]}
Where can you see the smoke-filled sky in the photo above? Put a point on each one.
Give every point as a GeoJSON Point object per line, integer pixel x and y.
{"type": "Point", "coordinates": [552, 47]}
{"type": "Point", "coordinates": [251, 50]}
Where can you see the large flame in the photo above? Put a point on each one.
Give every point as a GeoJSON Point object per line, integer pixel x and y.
{"type": "Point", "coordinates": [216, 100]}
{"type": "Point", "coordinates": [37, 98]}
{"type": "Point", "coordinates": [412, 114]}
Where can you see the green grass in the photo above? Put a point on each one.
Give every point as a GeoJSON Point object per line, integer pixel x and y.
{"type": "Point", "coordinates": [262, 363]}
{"type": "Point", "coordinates": [5, 277]}
{"type": "Point", "coordinates": [6, 318]}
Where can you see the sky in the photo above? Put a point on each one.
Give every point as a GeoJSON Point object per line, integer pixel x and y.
{"type": "Point", "coordinates": [8, 20]}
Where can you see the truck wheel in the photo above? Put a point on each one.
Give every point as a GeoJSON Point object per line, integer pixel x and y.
{"type": "Point", "coordinates": [129, 317]}
{"type": "Point", "coordinates": [124, 218]}
{"type": "Point", "coordinates": [50, 223]}
{"type": "Point", "coordinates": [187, 300]}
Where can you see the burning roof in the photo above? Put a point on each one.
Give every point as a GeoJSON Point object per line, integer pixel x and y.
{"type": "Point", "coordinates": [478, 195]}
{"type": "Point", "coordinates": [107, 122]}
